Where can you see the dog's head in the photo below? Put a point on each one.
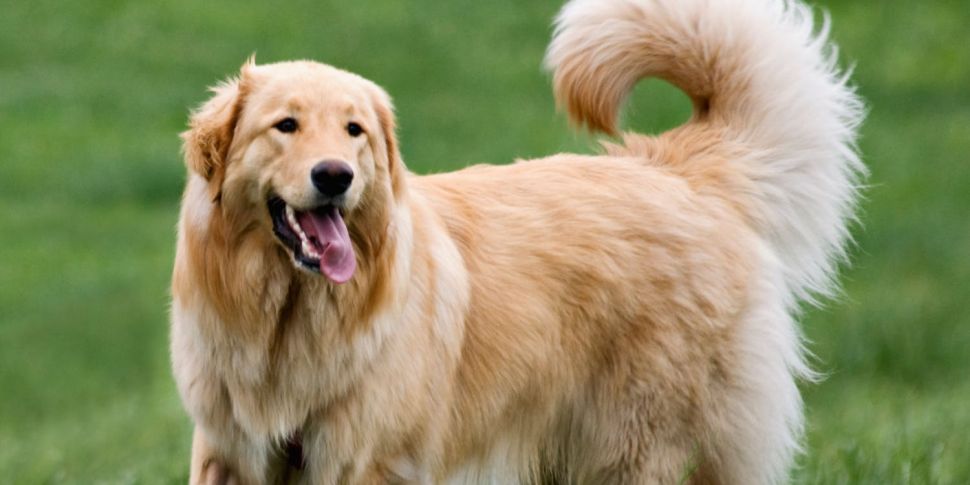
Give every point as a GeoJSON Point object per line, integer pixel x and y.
{"type": "Point", "coordinates": [303, 151]}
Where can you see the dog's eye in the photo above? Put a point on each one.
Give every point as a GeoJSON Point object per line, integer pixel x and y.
{"type": "Point", "coordinates": [354, 129]}
{"type": "Point", "coordinates": [286, 125]}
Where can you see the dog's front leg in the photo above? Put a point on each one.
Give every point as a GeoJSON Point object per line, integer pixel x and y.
{"type": "Point", "coordinates": [341, 457]}
{"type": "Point", "coordinates": [240, 463]}
{"type": "Point", "coordinates": [206, 467]}
{"type": "Point", "coordinates": [339, 450]}
{"type": "Point", "coordinates": [332, 459]}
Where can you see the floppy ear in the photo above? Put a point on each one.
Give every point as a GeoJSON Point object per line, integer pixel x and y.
{"type": "Point", "coordinates": [385, 116]}
{"type": "Point", "coordinates": [206, 143]}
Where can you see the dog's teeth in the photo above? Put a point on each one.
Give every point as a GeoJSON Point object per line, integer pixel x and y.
{"type": "Point", "coordinates": [306, 246]}
{"type": "Point", "coordinates": [294, 224]}
{"type": "Point", "coordinates": [308, 250]}
{"type": "Point", "coordinates": [291, 218]}
{"type": "Point", "coordinates": [303, 237]}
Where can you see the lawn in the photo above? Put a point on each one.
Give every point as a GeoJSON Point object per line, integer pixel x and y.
{"type": "Point", "coordinates": [93, 94]}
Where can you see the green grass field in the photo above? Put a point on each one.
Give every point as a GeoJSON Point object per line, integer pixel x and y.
{"type": "Point", "coordinates": [93, 94]}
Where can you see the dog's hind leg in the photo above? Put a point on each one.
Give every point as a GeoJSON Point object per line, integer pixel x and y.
{"type": "Point", "coordinates": [637, 452]}
{"type": "Point", "coordinates": [638, 422]}
{"type": "Point", "coordinates": [753, 425]}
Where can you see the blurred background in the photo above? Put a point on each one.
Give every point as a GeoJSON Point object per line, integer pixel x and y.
{"type": "Point", "coordinates": [94, 93]}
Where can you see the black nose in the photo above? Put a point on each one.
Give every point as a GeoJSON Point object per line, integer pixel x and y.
{"type": "Point", "coordinates": [332, 177]}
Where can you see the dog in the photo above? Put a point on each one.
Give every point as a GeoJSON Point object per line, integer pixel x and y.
{"type": "Point", "coordinates": [624, 317]}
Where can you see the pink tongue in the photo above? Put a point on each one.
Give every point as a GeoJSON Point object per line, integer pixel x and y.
{"type": "Point", "coordinates": [337, 260]}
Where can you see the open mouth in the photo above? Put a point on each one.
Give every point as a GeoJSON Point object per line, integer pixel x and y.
{"type": "Point", "coordinates": [317, 238]}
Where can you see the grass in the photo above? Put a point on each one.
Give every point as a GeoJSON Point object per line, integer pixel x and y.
{"type": "Point", "coordinates": [92, 95]}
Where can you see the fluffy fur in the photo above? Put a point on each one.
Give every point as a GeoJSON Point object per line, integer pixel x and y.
{"type": "Point", "coordinates": [621, 318]}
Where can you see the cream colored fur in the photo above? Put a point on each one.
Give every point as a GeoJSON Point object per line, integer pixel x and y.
{"type": "Point", "coordinates": [621, 318]}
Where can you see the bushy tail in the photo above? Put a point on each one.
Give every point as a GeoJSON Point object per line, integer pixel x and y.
{"type": "Point", "coordinates": [758, 73]}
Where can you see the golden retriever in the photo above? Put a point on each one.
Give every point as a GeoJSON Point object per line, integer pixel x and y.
{"type": "Point", "coordinates": [618, 318]}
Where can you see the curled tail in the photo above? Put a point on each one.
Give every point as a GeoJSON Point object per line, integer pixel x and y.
{"type": "Point", "coordinates": [758, 73]}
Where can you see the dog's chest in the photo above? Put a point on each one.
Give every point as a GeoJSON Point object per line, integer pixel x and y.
{"type": "Point", "coordinates": [269, 400]}
{"type": "Point", "coordinates": [273, 387]}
